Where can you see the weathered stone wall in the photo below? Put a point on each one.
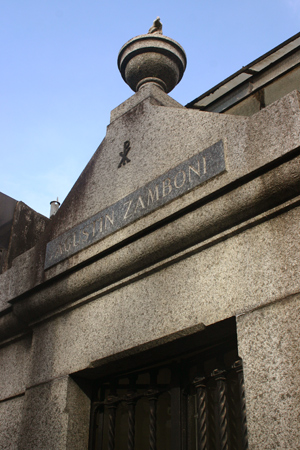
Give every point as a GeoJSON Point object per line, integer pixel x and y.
{"type": "Point", "coordinates": [269, 344]}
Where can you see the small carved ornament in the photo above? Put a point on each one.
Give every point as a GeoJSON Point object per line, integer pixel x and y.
{"type": "Point", "coordinates": [156, 27]}
{"type": "Point", "coordinates": [124, 154]}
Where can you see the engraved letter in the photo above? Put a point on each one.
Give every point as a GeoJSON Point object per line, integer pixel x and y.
{"type": "Point", "coordinates": [67, 246]}
{"type": "Point", "coordinates": [59, 251]}
{"type": "Point", "coordinates": [139, 202]}
{"type": "Point", "coordinates": [183, 179]}
{"type": "Point", "coordinates": [100, 226]}
{"type": "Point", "coordinates": [192, 169]}
{"type": "Point", "coordinates": [109, 219]}
{"type": "Point", "coordinates": [151, 195]}
{"type": "Point", "coordinates": [74, 240]}
{"type": "Point", "coordinates": [86, 235]}
{"type": "Point", "coordinates": [167, 185]}
{"type": "Point", "coordinates": [127, 210]}
{"type": "Point", "coordinates": [204, 165]}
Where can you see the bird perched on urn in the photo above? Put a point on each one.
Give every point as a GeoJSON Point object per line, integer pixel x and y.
{"type": "Point", "coordinates": [156, 27]}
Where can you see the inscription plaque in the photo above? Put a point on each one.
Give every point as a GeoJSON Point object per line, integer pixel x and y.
{"type": "Point", "coordinates": [172, 184]}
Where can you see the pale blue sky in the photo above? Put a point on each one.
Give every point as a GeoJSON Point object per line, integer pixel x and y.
{"type": "Point", "coordinates": [59, 78]}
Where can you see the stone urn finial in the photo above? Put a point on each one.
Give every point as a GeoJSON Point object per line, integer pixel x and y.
{"type": "Point", "coordinates": [152, 58]}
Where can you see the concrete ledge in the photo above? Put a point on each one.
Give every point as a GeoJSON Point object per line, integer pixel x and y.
{"type": "Point", "coordinates": [240, 270]}
{"type": "Point", "coordinates": [206, 220]}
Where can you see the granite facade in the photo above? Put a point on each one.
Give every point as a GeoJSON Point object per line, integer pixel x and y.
{"type": "Point", "coordinates": [227, 247]}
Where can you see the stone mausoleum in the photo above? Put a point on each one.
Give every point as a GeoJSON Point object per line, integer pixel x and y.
{"type": "Point", "coordinates": [159, 307]}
